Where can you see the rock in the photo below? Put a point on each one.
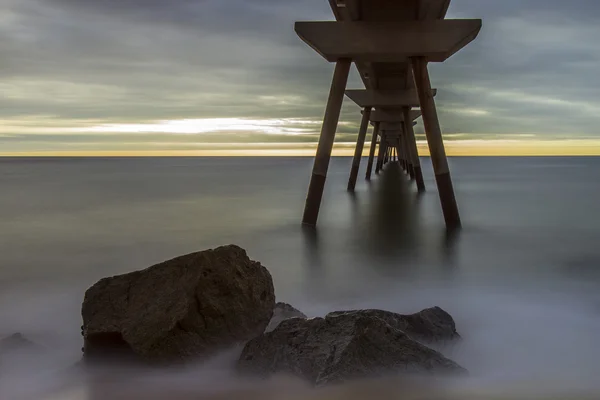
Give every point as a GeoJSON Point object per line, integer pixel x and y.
{"type": "Point", "coordinates": [338, 348]}
{"type": "Point", "coordinates": [282, 312]}
{"type": "Point", "coordinates": [429, 325]}
{"type": "Point", "coordinates": [16, 343]}
{"type": "Point", "coordinates": [188, 307]}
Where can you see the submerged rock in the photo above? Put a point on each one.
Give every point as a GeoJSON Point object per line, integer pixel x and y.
{"type": "Point", "coordinates": [338, 348]}
{"type": "Point", "coordinates": [429, 325]}
{"type": "Point", "coordinates": [281, 312]}
{"type": "Point", "coordinates": [16, 343]}
{"type": "Point", "coordinates": [181, 309]}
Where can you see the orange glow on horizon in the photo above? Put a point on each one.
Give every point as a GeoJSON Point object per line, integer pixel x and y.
{"type": "Point", "coordinates": [580, 147]}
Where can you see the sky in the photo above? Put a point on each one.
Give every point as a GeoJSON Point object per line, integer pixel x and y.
{"type": "Point", "coordinates": [230, 77]}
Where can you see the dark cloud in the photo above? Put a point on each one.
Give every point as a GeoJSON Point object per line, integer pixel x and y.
{"type": "Point", "coordinates": [533, 68]}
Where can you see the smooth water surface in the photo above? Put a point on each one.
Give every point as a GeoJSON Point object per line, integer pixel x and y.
{"type": "Point", "coordinates": [522, 279]}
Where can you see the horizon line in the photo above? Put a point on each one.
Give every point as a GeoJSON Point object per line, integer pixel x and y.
{"type": "Point", "coordinates": [454, 148]}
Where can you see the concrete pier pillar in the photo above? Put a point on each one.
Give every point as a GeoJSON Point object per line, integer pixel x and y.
{"type": "Point", "coordinates": [408, 155]}
{"type": "Point", "coordinates": [403, 163]}
{"type": "Point", "coordinates": [325, 146]}
{"type": "Point", "coordinates": [381, 153]}
{"type": "Point", "coordinates": [404, 153]}
{"type": "Point", "coordinates": [413, 150]}
{"type": "Point", "coordinates": [436, 143]}
{"type": "Point", "coordinates": [372, 150]}
{"type": "Point", "coordinates": [379, 158]}
{"type": "Point", "coordinates": [401, 152]}
{"type": "Point", "coordinates": [360, 144]}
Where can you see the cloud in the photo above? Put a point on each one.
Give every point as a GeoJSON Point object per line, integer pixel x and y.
{"type": "Point", "coordinates": [110, 63]}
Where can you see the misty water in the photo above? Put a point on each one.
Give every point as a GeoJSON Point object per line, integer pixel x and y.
{"type": "Point", "coordinates": [521, 280]}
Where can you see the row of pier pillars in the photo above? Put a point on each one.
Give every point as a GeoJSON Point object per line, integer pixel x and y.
{"type": "Point", "coordinates": [395, 146]}
{"type": "Point", "coordinates": [391, 43]}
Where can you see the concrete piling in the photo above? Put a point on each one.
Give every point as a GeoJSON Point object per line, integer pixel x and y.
{"type": "Point", "coordinates": [372, 150]}
{"type": "Point", "coordinates": [325, 146]}
{"type": "Point", "coordinates": [436, 143]}
{"type": "Point", "coordinates": [391, 44]}
{"type": "Point", "coordinates": [360, 143]}
{"type": "Point", "coordinates": [413, 150]}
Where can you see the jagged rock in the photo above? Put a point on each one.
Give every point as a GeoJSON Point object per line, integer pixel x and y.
{"type": "Point", "coordinates": [281, 312]}
{"type": "Point", "coordinates": [181, 309]}
{"type": "Point", "coordinates": [429, 325]}
{"type": "Point", "coordinates": [338, 348]}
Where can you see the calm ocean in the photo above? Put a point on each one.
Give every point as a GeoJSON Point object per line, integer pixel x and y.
{"type": "Point", "coordinates": [522, 280]}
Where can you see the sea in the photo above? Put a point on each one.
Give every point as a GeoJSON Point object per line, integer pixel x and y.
{"type": "Point", "coordinates": [521, 279]}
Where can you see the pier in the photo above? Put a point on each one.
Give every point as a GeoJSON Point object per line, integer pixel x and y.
{"type": "Point", "coordinates": [391, 44]}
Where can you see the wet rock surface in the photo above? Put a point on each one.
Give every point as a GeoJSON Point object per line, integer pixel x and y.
{"type": "Point", "coordinates": [340, 347]}
{"type": "Point", "coordinates": [181, 309]}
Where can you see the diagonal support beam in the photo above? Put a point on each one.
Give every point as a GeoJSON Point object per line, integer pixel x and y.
{"type": "Point", "coordinates": [414, 153]}
{"type": "Point", "coordinates": [325, 146]}
{"type": "Point", "coordinates": [436, 144]}
{"type": "Point", "coordinates": [372, 150]}
{"type": "Point", "coordinates": [360, 143]}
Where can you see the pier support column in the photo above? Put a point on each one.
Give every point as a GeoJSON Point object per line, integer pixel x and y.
{"type": "Point", "coordinates": [381, 153]}
{"type": "Point", "coordinates": [386, 154]}
{"type": "Point", "coordinates": [404, 153]}
{"type": "Point", "coordinates": [436, 143]}
{"type": "Point", "coordinates": [413, 150]}
{"type": "Point", "coordinates": [330, 122]}
{"type": "Point", "coordinates": [401, 147]}
{"type": "Point", "coordinates": [372, 150]}
{"type": "Point", "coordinates": [379, 158]}
{"type": "Point", "coordinates": [409, 159]}
{"type": "Point", "coordinates": [401, 152]}
{"type": "Point", "coordinates": [360, 144]}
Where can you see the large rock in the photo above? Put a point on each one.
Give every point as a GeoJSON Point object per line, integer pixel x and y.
{"type": "Point", "coordinates": [339, 348]}
{"type": "Point", "coordinates": [282, 312]}
{"type": "Point", "coordinates": [181, 309]}
{"type": "Point", "coordinates": [430, 325]}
